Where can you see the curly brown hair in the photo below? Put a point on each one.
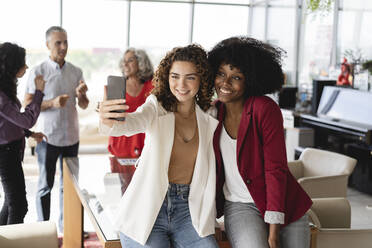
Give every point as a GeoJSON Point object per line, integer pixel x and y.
{"type": "Point", "coordinates": [192, 53]}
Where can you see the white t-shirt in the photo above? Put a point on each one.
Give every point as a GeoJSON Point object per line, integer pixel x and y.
{"type": "Point", "coordinates": [234, 188]}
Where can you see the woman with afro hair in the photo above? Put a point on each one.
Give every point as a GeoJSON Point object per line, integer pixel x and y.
{"type": "Point", "coordinates": [14, 126]}
{"type": "Point", "coordinates": [262, 203]}
{"type": "Point", "coordinates": [171, 198]}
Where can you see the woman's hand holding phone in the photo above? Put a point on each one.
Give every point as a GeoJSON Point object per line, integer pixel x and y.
{"type": "Point", "coordinates": [106, 108]}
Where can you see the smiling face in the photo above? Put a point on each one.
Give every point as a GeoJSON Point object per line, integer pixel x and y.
{"type": "Point", "coordinates": [184, 81]}
{"type": "Point", "coordinates": [130, 64]}
{"type": "Point", "coordinates": [57, 45]}
{"type": "Point", "coordinates": [229, 84]}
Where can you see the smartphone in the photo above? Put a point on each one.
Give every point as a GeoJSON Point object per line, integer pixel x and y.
{"type": "Point", "coordinates": [116, 89]}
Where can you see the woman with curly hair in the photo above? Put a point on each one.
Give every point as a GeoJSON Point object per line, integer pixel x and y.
{"type": "Point", "coordinates": [14, 127]}
{"type": "Point", "coordinates": [171, 198]}
{"type": "Point", "coordinates": [136, 67]}
{"type": "Point", "coordinates": [262, 203]}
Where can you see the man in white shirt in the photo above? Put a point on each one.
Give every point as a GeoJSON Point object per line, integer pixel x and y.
{"type": "Point", "coordinates": [58, 118]}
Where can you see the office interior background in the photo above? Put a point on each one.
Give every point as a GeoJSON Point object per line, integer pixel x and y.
{"type": "Point", "coordinates": [99, 31]}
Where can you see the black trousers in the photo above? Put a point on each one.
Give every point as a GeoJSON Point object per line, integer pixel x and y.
{"type": "Point", "coordinates": [13, 181]}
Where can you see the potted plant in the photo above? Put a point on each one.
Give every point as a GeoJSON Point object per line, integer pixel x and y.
{"type": "Point", "coordinates": [367, 65]}
{"type": "Point", "coordinates": [319, 5]}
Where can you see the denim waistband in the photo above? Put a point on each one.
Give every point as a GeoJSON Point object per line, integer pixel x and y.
{"type": "Point", "coordinates": [176, 189]}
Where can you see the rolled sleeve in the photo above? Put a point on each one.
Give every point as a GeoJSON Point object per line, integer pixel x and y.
{"type": "Point", "coordinates": [273, 217]}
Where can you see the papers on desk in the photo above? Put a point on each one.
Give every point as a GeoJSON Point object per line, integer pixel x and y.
{"type": "Point", "coordinates": [110, 199]}
{"type": "Point", "coordinates": [92, 170]}
{"type": "Point", "coordinates": [127, 161]}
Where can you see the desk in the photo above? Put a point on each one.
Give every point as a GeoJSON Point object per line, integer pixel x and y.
{"type": "Point", "coordinates": [90, 186]}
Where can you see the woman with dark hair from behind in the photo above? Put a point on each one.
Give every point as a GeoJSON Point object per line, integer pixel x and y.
{"type": "Point", "coordinates": [136, 67]}
{"type": "Point", "coordinates": [14, 127]}
{"type": "Point", "coordinates": [262, 203]}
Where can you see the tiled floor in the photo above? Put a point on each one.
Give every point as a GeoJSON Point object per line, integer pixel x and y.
{"type": "Point", "coordinates": [361, 215]}
{"type": "Point", "coordinates": [361, 209]}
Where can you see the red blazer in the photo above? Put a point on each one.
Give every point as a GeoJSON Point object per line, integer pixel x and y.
{"type": "Point", "coordinates": [262, 161]}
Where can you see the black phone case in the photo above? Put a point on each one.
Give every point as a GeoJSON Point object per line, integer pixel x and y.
{"type": "Point", "coordinates": [116, 89]}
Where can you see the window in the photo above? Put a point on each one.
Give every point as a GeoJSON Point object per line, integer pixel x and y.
{"type": "Point", "coordinates": [99, 31]}
{"type": "Point", "coordinates": [317, 46]}
{"type": "Point", "coordinates": [102, 25]}
{"type": "Point", "coordinates": [227, 2]}
{"type": "Point", "coordinates": [355, 28]}
{"type": "Point", "coordinates": [281, 32]}
{"type": "Point", "coordinates": [21, 22]}
{"type": "Point", "coordinates": [24, 22]}
{"type": "Point", "coordinates": [212, 23]}
{"type": "Point", "coordinates": [286, 3]}
{"type": "Point", "coordinates": [158, 27]}
{"type": "Point", "coordinates": [97, 37]}
{"type": "Point", "coordinates": [366, 35]}
{"type": "Point", "coordinates": [258, 23]}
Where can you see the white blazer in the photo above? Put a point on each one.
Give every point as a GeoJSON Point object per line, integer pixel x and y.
{"type": "Point", "coordinates": [141, 202]}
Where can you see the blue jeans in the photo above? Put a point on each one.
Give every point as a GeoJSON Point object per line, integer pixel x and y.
{"type": "Point", "coordinates": [47, 156]}
{"type": "Point", "coordinates": [245, 227]}
{"type": "Point", "coordinates": [173, 225]}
